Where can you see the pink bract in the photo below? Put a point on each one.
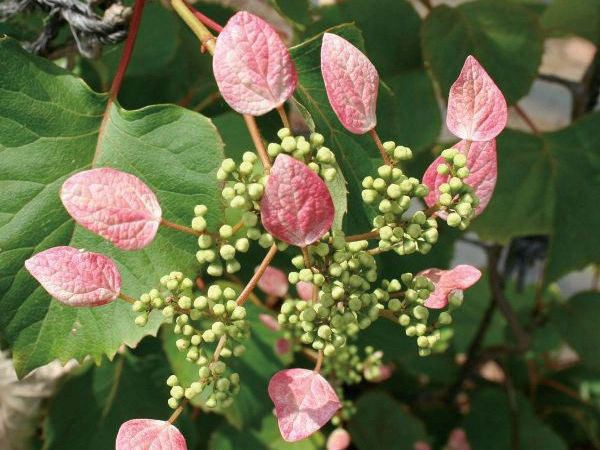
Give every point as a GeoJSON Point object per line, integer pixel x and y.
{"type": "Point", "coordinates": [483, 172]}
{"type": "Point", "coordinates": [339, 439]}
{"type": "Point", "coordinates": [74, 277]}
{"type": "Point", "coordinates": [476, 107]}
{"type": "Point", "coordinates": [447, 281]}
{"type": "Point", "coordinates": [304, 402]}
{"type": "Point", "coordinates": [458, 440]}
{"type": "Point", "coordinates": [296, 207]}
{"type": "Point", "coordinates": [305, 290]}
{"type": "Point", "coordinates": [252, 66]}
{"type": "Point", "coordinates": [116, 205]}
{"type": "Point", "coordinates": [282, 346]}
{"type": "Point", "coordinates": [149, 434]}
{"type": "Point", "coordinates": [269, 321]}
{"type": "Point", "coordinates": [351, 82]}
{"type": "Point", "coordinates": [273, 282]}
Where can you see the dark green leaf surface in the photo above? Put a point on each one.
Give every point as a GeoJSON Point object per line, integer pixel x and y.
{"type": "Point", "coordinates": [579, 17]}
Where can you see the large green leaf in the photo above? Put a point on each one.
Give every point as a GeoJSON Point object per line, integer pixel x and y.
{"type": "Point", "coordinates": [579, 17]}
{"type": "Point", "coordinates": [489, 424]}
{"type": "Point", "coordinates": [503, 36]}
{"type": "Point", "coordinates": [382, 422]}
{"type": "Point", "coordinates": [91, 406]}
{"type": "Point", "coordinates": [576, 321]}
{"type": "Point", "coordinates": [49, 123]}
{"type": "Point", "coordinates": [547, 185]}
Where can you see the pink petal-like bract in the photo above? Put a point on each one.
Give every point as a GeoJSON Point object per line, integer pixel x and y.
{"type": "Point", "coordinates": [252, 66]}
{"type": "Point", "coordinates": [75, 277]}
{"type": "Point", "coordinates": [296, 207]}
{"type": "Point", "coordinates": [421, 445]}
{"type": "Point", "coordinates": [339, 439]}
{"type": "Point", "coordinates": [483, 172]}
{"type": "Point", "coordinates": [305, 290]}
{"type": "Point", "coordinates": [282, 346]}
{"type": "Point", "coordinates": [269, 321]}
{"type": "Point", "coordinates": [476, 107]}
{"type": "Point", "coordinates": [273, 282]}
{"type": "Point", "coordinates": [385, 372]}
{"type": "Point", "coordinates": [116, 205]}
{"type": "Point", "coordinates": [458, 440]}
{"type": "Point", "coordinates": [149, 434]}
{"type": "Point", "coordinates": [351, 82]}
{"type": "Point", "coordinates": [447, 281]}
{"type": "Point", "coordinates": [304, 402]}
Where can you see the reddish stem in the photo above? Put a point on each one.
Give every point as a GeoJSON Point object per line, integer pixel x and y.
{"type": "Point", "coordinates": [384, 155]}
{"type": "Point", "coordinates": [319, 362]}
{"type": "Point", "coordinates": [259, 273]}
{"type": "Point", "coordinates": [204, 19]}
{"type": "Point", "coordinates": [521, 112]}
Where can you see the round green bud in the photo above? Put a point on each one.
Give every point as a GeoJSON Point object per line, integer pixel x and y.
{"type": "Point", "coordinates": [273, 149]}
{"type": "Point", "coordinates": [228, 193]}
{"type": "Point", "coordinates": [218, 367]}
{"type": "Point", "coordinates": [394, 191]}
{"type": "Point", "coordinates": [420, 312]}
{"type": "Point", "coordinates": [203, 372]}
{"type": "Point", "coordinates": [218, 309]}
{"type": "Point", "coordinates": [420, 329]}
{"type": "Point", "coordinates": [395, 304]}
{"type": "Point", "coordinates": [246, 168]}
{"type": "Point", "coordinates": [316, 139]}
{"type": "Point", "coordinates": [385, 206]}
{"type": "Point", "coordinates": [205, 241]}
{"type": "Point", "coordinates": [389, 146]}
{"type": "Point", "coordinates": [337, 292]}
{"type": "Point", "coordinates": [228, 165]}
{"type": "Point", "coordinates": [177, 392]}
{"type": "Point", "coordinates": [288, 144]}
{"type": "Point", "coordinates": [249, 219]}
{"type": "Point", "coordinates": [227, 252]}
{"type": "Point", "coordinates": [462, 172]}
{"type": "Point", "coordinates": [184, 302]}
{"type": "Point", "coordinates": [141, 320]}
{"type": "Point", "coordinates": [455, 184]}
{"type": "Point", "coordinates": [464, 209]}
{"type": "Point", "coordinates": [306, 275]}
{"type": "Point", "coordinates": [138, 306]}
{"type": "Point", "coordinates": [459, 160]}
{"type": "Point", "coordinates": [369, 196]}
{"type": "Point", "coordinates": [431, 235]}
{"type": "Point", "coordinates": [443, 169]}
{"type": "Point", "coordinates": [324, 155]}
{"type": "Point", "coordinates": [196, 339]}
{"type": "Point", "coordinates": [223, 384]}
{"type": "Point", "coordinates": [225, 231]}
{"type": "Point", "coordinates": [379, 184]}
{"type": "Point", "coordinates": [329, 174]}
{"type": "Point", "coordinates": [445, 318]}
{"type": "Point", "coordinates": [445, 199]}
{"type": "Point", "coordinates": [423, 342]}
{"type": "Point", "coordinates": [404, 320]}
{"type": "Point", "coordinates": [168, 311]}
{"type": "Point", "coordinates": [255, 191]}
{"type": "Point", "coordinates": [239, 313]}
{"type": "Point", "coordinates": [208, 336]}
{"type": "Point", "coordinates": [218, 328]}
{"type": "Point", "coordinates": [384, 171]}
{"type": "Point", "coordinates": [456, 298]}
{"type": "Point", "coordinates": [453, 219]}
{"type": "Point", "coordinates": [449, 154]}
{"type": "Point", "coordinates": [367, 182]}
{"type": "Point", "coordinates": [265, 240]}
{"type": "Point", "coordinates": [414, 230]}
{"type": "Point", "coordinates": [172, 381]}
{"type": "Point", "coordinates": [172, 285]}
{"type": "Point", "coordinates": [402, 153]}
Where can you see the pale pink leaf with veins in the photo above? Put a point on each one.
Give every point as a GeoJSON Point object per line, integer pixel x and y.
{"type": "Point", "coordinates": [447, 281]}
{"type": "Point", "coordinates": [304, 402]}
{"type": "Point", "coordinates": [74, 277]}
{"type": "Point", "coordinates": [351, 82]}
{"type": "Point", "coordinates": [476, 107]}
{"type": "Point", "coordinates": [273, 282]}
{"type": "Point", "coordinates": [483, 172]}
{"type": "Point", "coordinates": [339, 439]}
{"type": "Point", "coordinates": [305, 290]}
{"type": "Point", "coordinates": [296, 207]}
{"type": "Point", "coordinates": [252, 66]}
{"type": "Point", "coordinates": [116, 205]}
{"type": "Point", "coordinates": [269, 321]}
{"type": "Point", "coordinates": [149, 434]}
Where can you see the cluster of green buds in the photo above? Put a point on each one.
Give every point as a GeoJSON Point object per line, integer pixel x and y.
{"type": "Point", "coordinates": [406, 298]}
{"type": "Point", "coordinates": [397, 153]}
{"type": "Point", "coordinates": [312, 152]}
{"type": "Point", "coordinates": [417, 234]}
{"type": "Point", "coordinates": [210, 330]}
{"type": "Point", "coordinates": [347, 410]}
{"type": "Point", "coordinates": [244, 184]}
{"type": "Point", "coordinates": [456, 197]}
{"type": "Point", "coordinates": [347, 366]}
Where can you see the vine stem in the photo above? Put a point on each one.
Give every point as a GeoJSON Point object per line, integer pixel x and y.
{"type": "Point", "coordinates": [219, 347]}
{"type": "Point", "coordinates": [363, 236]}
{"type": "Point", "coordinates": [259, 273]}
{"type": "Point", "coordinates": [384, 155]}
{"type": "Point", "coordinates": [193, 20]}
{"type": "Point", "coordinates": [183, 228]}
{"type": "Point", "coordinates": [523, 115]}
{"type": "Point", "coordinates": [306, 257]}
{"type": "Point", "coordinates": [177, 412]}
{"type": "Point", "coordinates": [204, 19]}
{"type": "Point", "coordinates": [127, 298]}
{"type": "Point", "coordinates": [115, 87]}
{"type": "Point", "coordinates": [319, 362]}
{"type": "Point", "coordinates": [284, 117]}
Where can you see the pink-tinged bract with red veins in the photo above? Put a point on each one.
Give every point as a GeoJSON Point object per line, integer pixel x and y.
{"type": "Point", "coordinates": [351, 82]}
{"type": "Point", "coordinates": [304, 402]}
{"type": "Point", "coordinates": [477, 109]}
{"type": "Point", "coordinates": [274, 282]}
{"type": "Point", "coordinates": [483, 172]}
{"type": "Point", "coordinates": [74, 277]}
{"type": "Point", "coordinates": [149, 434]}
{"type": "Point", "coordinates": [252, 66]}
{"type": "Point", "coordinates": [446, 282]}
{"type": "Point", "coordinates": [115, 205]}
{"type": "Point", "coordinates": [339, 439]}
{"type": "Point", "coordinates": [296, 206]}
{"type": "Point", "coordinates": [305, 290]}
{"type": "Point", "coordinates": [269, 321]}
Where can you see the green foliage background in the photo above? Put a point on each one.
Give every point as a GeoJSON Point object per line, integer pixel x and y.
{"type": "Point", "coordinates": [172, 130]}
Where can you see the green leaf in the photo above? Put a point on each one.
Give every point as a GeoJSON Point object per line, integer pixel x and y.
{"type": "Point", "coordinates": [576, 321]}
{"type": "Point", "coordinates": [49, 123]}
{"type": "Point", "coordinates": [546, 185]}
{"type": "Point", "coordinates": [578, 17]}
{"type": "Point", "coordinates": [265, 436]}
{"type": "Point", "coordinates": [382, 422]}
{"type": "Point", "coordinates": [489, 426]}
{"type": "Point", "coordinates": [88, 410]}
{"type": "Point", "coordinates": [503, 36]}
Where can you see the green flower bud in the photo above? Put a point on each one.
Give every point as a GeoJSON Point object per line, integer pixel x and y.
{"type": "Point", "coordinates": [460, 160]}
{"type": "Point", "coordinates": [395, 304]}
{"type": "Point", "coordinates": [141, 320]}
{"type": "Point", "coordinates": [255, 191]}
{"type": "Point", "coordinates": [324, 155]}
{"type": "Point", "coordinates": [445, 199]}
{"type": "Point", "coordinates": [225, 231]}
{"type": "Point", "coordinates": [288, 144]}
{"type": "Point", "coordinates": [218, 367]}
{"type": "Point", "coordinates": [443, 169]}
{"type": "Point", "coordinates": [177, 392]}
{"type": "Point", "coordinates": [227, 252]}
{"type": "Point", "coordinates": [168, 311]}
{"type": "Point", "coordinates": [367, 182]}
{"type": "Point", "coordinates": [172, 381]}
{"type": "Point", "coordinates": [182, 344]}
{"type": "Point", "coordinates": [184, 302]}
{"type": "Point", "coordinates": [402, 153]}
{"type": "Point", "coordinates": [449, 154]}
{"type": "Point", "coordinates": [455, 184]}
{"type": "Point", "coordinates": [329, 174]}
{"type": "Point", "coordinates": [384, 171]}
{"type": "Point", "coordinates": [379, 184]}
{"type": "Point", "coordinates": [464, 209]}
{"type": "Point", "coordinates": [172, 285]}
{"type": "Point", "coordinates": [385, 206]}
{"type": "Point", "coordinates": [223, 384]}
{"type": "Point", "coordinates": [394, 191]}
{"type": "Point", "coordinates": [218, 309]}
{"type": "Point", "coordinates": [420, 312]}
{"type": "Point", "coordinates": [389, 146]}
{"type": "Point", "coordinates": [445, 318]}
{"type": "Point", "coordinates": [414, 230]}
{"type": "Point", "coordinates": [266, 240]}
{"type": "Point", "coordinates": [306, 275]}
{"type": "Point", "coordinates": [423, 342]}
{"type": "Point", "coordinates": [228, 193]}
{"type": "Point", "coordinates": [208, 336]}
{"type": "Point", "coordinates": [246, 168]}
{"type": "Point", "coordinates": [404, 320]}
{"type": "Point", "coordinates": [453, 219]}
{"type": "Point", "coordinates": [228, 165]}
{"type": "Point", "coordinates": [239, 313]}
{"type": "Point", "coordinates": [316, 139]}
{"type": "Point", "coordinates": [249, 219]}
{"type": "Point", "coordinates": [463, 172]}
{"type": "Point", "coordinates": [369, 196]}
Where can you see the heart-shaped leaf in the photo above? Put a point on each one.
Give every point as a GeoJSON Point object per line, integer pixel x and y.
{"type": "Point", "coordinates": [273, 282]}
{"type": "Point", "coordinates": [296, 207]}
{"type": "Point", "coordinates": [149, 434]}
{"type": "Point", "coordinates": [351, 82]}
{"type": "Point", "coordinates": [447, 281]}
{"type": "Point", "coordinates": [252, 66]}
{"type": "Point", "coordinates": [483, 172]}
{"type": "Point", "coordinates": [305, 289]}
{"type": "Point", "coordinates": [476, 107]}
{"type": "Point", "coordinates": [76, 277]}
{"type": "Point", "coordinates": [116, 205]}
{"type": "Point", "coordinates": [339, 439]}
{"type": "Point", "coordinates": [304, 402]}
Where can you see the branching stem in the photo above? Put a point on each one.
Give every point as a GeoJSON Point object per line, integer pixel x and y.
{"type": "Point", "coordinates": [182, 228]}
{"type": "Point", "coordinates": [319, 362]}
{"type": "Point", "coordinates": [384, 155]}
{"type": "Point", "coordinates": [284, 117]}
{"type": "Point", "coordinates": [126, 298]}
{"type": "Point", "coordinates": [259, 273]}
